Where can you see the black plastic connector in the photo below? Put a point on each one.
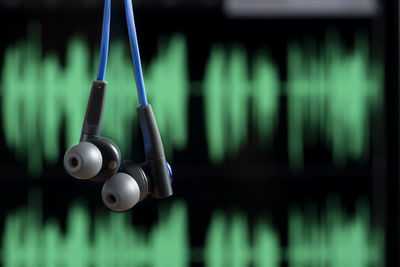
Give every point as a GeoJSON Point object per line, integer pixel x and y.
{"type": "Point", "coordinates": [94, 111]}
{"type": "Point", "coordinates": [154, 151]}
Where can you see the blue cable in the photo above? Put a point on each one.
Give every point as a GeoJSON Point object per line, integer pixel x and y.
{"type": "Point", "coordinates": [137, 66]}
{"type": "Point", "coordinates": [105, 39]}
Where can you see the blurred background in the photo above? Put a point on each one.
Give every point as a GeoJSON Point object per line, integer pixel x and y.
{"type": "Point", "coordinates": [279, 118]}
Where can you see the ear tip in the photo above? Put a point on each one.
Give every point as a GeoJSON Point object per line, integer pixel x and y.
{"type": "Point", "coordinates": [121, 192]}
{"type": "Point", "coordinates": [83, 161]}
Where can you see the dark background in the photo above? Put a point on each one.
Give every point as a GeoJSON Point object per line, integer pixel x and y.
{"type": "Point", "coordinates": [256, 181]}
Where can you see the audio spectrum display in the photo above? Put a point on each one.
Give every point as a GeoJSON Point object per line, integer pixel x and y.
{"type": "Point", "coordinates": [331, 90]}
{"type": "Point", "coordinates": [330, 237]}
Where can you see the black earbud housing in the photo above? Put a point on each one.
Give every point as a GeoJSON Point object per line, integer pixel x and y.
{"type": "Point", "coordinates": [111, 157]}
{"type": "Point", "coordinates": [136, 171]}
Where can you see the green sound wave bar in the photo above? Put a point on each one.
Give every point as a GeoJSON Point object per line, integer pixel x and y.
{"type": "Point", "coordinates": [331, 93]}
{"type": "Point", "coordinates": [228, 90]}
{"type": "Point", "coordinates": [330, 239]}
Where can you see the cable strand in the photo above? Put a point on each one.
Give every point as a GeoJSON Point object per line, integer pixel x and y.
{"type": "Point", "coordinates": [137, 66]}
{"type": "Point", "coordinates": [105, 39]}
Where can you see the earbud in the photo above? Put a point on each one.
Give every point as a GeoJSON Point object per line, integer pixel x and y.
{"type": "Point", "coordinates": [95, 157]}
{"type": "Point", "coordinates": [121, 192]}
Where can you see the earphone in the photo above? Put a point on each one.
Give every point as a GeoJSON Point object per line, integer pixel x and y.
{"type": "Point", "coordinates": [99, 159]}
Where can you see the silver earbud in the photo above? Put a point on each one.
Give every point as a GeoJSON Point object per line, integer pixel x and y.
{"type": "Point", "coordinates": [126, 188]}
{"type": "Point", "coordinates": [83, 161]}
{"type": "Point", "coordinates": [121, 192]}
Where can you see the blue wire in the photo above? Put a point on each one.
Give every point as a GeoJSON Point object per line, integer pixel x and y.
{"type": "Point", "coordinates": [105, 39]}
{"type": "Point", "coordinates": [137, 66]}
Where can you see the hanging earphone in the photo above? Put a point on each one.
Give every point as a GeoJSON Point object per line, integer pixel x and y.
{"type": "Point", "coordinates": [99, 159]}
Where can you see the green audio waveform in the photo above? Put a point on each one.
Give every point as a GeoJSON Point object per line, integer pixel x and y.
{"type": "Point", "coordinates": [39, 97]}
{"type": "Point", "coordinates": [228, 243]}
{"type": "Point", "coordinates": [109, 240]}
{"type": "Point", "coordinates": [331, 92]}
{"type": "Point", "coordinates": [331, 239]}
